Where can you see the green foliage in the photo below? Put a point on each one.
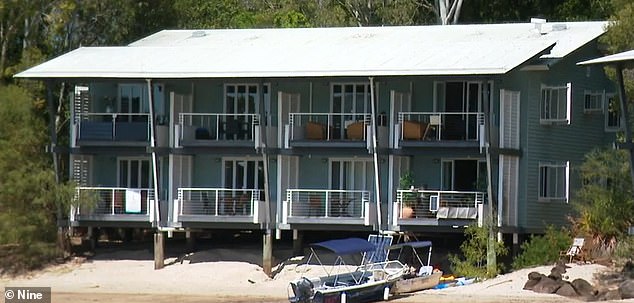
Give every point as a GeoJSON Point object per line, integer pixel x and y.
{"type": "Point", "coordinates": [406, 182]}
{"type": "Point", "coordinates": [620, 34]}
{"type": "Point", "coordinates": [473, 263]}
{"type": "Point", "coordinates": [29, 193]}
{"type": "Point", "coordinates": [624, 251]}
{"type": "Point", "coordinates": [604, 202]}
{"type": "Point", "coordinates": [543, 249]}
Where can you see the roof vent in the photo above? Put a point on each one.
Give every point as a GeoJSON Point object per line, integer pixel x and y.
{"type": "Point", "coordinates": [538, 24]}
{"type": "Point", "coordinates": [198, 34]}
{"type": "Point", "coordinates": [559, 27]}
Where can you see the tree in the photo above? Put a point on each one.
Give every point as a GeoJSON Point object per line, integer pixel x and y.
{"type": "Point", "coordinates": [604, 204]}
{"type": "Point", "coordinates": [29, 193]}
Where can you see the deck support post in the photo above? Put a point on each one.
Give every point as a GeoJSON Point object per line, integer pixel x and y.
{"type": "Point", "coordinates": [298, 238]}
{"type": "Point", "coordinates": [93, 238]}
{"type": "Point", "coordinates": [191, 240]}
{"type": "Point", "coordinates": [159, 253]}
{"type": "Point", "coordinates": [267, 253]}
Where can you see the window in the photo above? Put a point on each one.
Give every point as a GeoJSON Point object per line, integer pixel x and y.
{"type": "Point", "coordinates": [351, 174]}
{"type": "Point", "coordinates": [349, 103]}
{"type": "Point", "coordinates": [135, 173]}
{"type": "Point", "coordinates": [243, 100]}
{"type": "Point", "coordinates": [555, 104]}
{"type": "Point", "coordinates": [554, 181]}
{"type": "Point", "coordinates": [593, 101]}
{"type": "Point", "coordinates": [243, 174]}
{"type": "Point", "coordinates": [464, 175]}
{"type": "Point", "coordinates": [612, 113]}
{"type": "Point", "coordinates": [133, 103]}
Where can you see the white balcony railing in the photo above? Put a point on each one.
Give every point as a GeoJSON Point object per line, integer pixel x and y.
{"type": "Point", "coordinates": [439, 204]}
{"type": "Point", "coordinates": [327, 203]}
{"type": "Point", "coordinates": [112, 201]}
{"type": "Point", "coordinates": [218, 202]}
{"type": "Point", "coordinates": [438, 126]}
{"type": "Point", "coordinates": [218, 126]}
{"type": "Point", "coordinates": [112, 126]}
{"type": "Point", "coordinates": [329, 126]}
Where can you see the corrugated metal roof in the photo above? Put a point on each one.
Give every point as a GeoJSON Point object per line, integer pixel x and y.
{"type": "Point", "coordinates": [620, 57]}
{"type": "Point", "coordinates": [356, 51]}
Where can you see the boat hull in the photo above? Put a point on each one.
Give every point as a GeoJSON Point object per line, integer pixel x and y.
{"type": "Point", "coordinates": [414, 284]}
{"type": "Point", "coordinates": [355, 294]}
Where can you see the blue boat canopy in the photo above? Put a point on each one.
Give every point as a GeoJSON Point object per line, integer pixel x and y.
{"type": "Point", "coordinates": [346, 246]}
{"type": "Point", "coordinates": [414, 244]}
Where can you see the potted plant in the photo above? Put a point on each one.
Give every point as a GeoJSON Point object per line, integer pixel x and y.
{"type": "Point", "coordinates": [406, 182]}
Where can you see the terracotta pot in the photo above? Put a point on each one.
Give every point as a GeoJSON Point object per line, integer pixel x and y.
{"type": "Point", "coordinates": [407, 212]}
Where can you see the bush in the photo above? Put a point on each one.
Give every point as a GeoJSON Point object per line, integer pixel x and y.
{"type": "Point", "coordinates": [543, 249]}
{"type": "Point", "coordinates": [16, 259]}
{"type": "Point", "coordinates": [474, 250]}
{"type": "Point", "coordinates": [624, 251]}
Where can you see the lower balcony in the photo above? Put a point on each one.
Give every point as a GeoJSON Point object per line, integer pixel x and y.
{"type": "Point", "coordinates": [219, 205]}
{"type": "Point", "coordinates": [112, 204]}
{"type": "Point", "coordinates": [327, 207]}
{"type": "Point", "coordinates": [437, 207]}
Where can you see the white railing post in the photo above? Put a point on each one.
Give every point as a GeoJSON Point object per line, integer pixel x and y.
{"type": "Point", "coordinates": [112, 195]}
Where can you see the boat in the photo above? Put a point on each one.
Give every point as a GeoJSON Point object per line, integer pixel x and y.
{"type": "Point", "coordinates": [421, 275]}
{"type": "Point", "coordinates": [368, 281]}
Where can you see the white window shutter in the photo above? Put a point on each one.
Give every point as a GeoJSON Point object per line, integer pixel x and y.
{"type": "Point", "coordinates": [567, 182]}
{"type": "Point", "coordinates": [568, 102]}
{"type": "Point", "coordinates": [80, 170]}
{"type": "Point", "coordinates": [509, 119]}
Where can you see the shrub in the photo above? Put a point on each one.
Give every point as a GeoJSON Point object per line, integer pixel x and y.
{"type": "Point", "coordinates": [624, 251]}
{"type": "Point", "coordinates": [543, 249]}
{"type": "Point", "coordinates": [474, 250]}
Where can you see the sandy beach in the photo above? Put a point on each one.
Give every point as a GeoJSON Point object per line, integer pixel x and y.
{"type": "Point", "coordinates": [213, 276]}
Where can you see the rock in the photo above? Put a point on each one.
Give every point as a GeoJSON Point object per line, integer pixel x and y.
{"type": "Point", "coordinates": [628, 270]}
{"type": "Point", "coordinates": [584, 288]}
{"type": "Point", "coordinates": [612, 294]}
{"type": "Point", "coordinates": [556, 273]}
{"type": "Point", "coordinates": [530, 284]}
{"type": "Point", "coordinates": [626, 289]}
{"type": "Point", "coordinates": [567, 290]}
{"type": "Point", "coordinates": [535, 276]}
{"type": "Point", "coordinates": [547, 286]}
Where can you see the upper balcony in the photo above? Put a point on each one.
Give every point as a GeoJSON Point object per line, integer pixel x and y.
{"type": "Point", "coordinates": [437, 207]}
{"type": "Point", "coordinates": [218, 205]}
{"type": "Point", "coordinates": [119, 129]}
{"type": "Point", "coordinates": [218, 129]}
{"type": "Point", "coordinates": [332, 129]}
{"type": "Point", "coordinates": [117, 204]}
{"type": "Point", "coordinates": [446, 129]}
{"type": "Point", "coordinates": [327, 207]}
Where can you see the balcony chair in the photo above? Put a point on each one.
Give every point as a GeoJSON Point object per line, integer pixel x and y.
{"type": "Point", "coordinates": [233, 129]}
{"type": "Point", "coordinates": [355, 130]}
{"type": "Point", "coordinates": [315, 131]}
{"type": "Point", "coordinates": [414, 130]}
{"type": "Point", "coordinates": [315, 205]}
{"type": "Point", "coordinates": [243, 203]}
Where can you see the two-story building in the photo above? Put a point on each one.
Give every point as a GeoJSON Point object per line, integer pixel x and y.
{"type": "Point", "coordinates": [317, 128]}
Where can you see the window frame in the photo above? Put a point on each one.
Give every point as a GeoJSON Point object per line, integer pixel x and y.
{"type": "Point", "coordinates": [545, 117]}
{"type": "Point", "coordinates": [543, 193]}
{"type": "Point", "coordinates": [598, 108]}
{"type": "Point", "coordinates": [612, 97]}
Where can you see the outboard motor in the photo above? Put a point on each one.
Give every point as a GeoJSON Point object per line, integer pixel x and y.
{"type": "Point", "coordinates": [303, 291]}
